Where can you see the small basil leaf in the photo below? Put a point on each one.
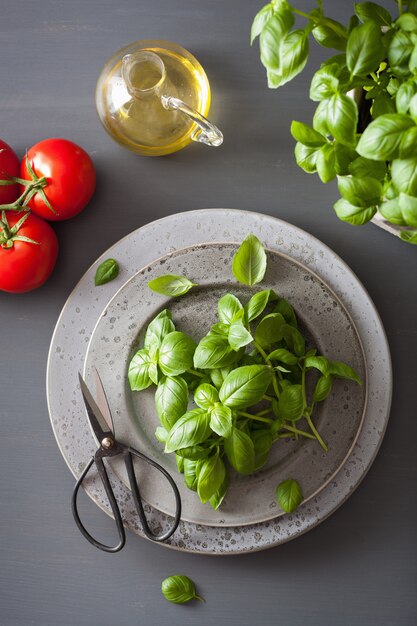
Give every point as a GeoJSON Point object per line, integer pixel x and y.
{"type": "Point", "coordinates": [220, 328]}
{"type": "Point", "coordinates": [214, 351]}
{"type": "Point", "coordinates": [228, 306]}
{"type": "Point", "coordinates": [160, 326]}
{"type": "Point", "coordinates": [180, 463]}
{"type": "Point", "coordinates": [179, 589]}
{"type": "Point", "coordinates": [409, 236]}
{"type": "Point", "coordinates": [191, 429]}
{"type": "Point", "coordinates": [404, 94]}
{"type": "Point", "coordinates": [323, 388]}
{"type": "Point", "coordinates": [171, 285]}
{"type": "Point", "coordinates": [382, 105]}
{"type": "Point", "coordinates": [320, 118]}
{"type": "Point", "coordinates": [106, 271]}
{"type": "Point", "coordinates": [262, 443]}
{"type": "Point", "coordinates": [326, 163]}
{"type": "Point", "coordinates": [293, 54]}
{"type": "Point", "coordinates": [318, 362]}
{"type": "Point", "coordinates": [176, 353]}
{"type": "Point", "coordinates": [361, 192]}
{"type": "Point", "coordinates": [283, 355]}
{"type": "Point", "coordinates": [153, 372]}
{"type": "Point", "coordinates": [190, 473]}
{"type": "Point", "coordinates": [306, 158]}
{"type": "Point", "coordinates": [408, 205]}
{"type": "Point", "coordinates": [287, 311]}
{"type": "Point", "coordinates": [221, 420]}
{"type": "Point", "coordinates": [218, 497]}
{"type": "Point", "coordinates": [370, 11]}
{"type": "Point", "coordinates": [257, 304]}
{"type": "Point", "coordinates": [218, 375]}
{"type": "Point", "coordinates": [391, 211]}
{"type": "Point", "coordinates": [364, 50]}
{"type": "Point", "coordinates": [306, 135]}
{"type": "Point", "coordinates": [341, 370]}
{"type": "Point", "coordinates": [245, 386]}
{"type": "Point", "coordinates": [161, 434]}
{"type": "Point", "coordinates": [342, 118]}
{"type": "Point", "coordinates": [272, 33]}
{"type": "Point", "coordinates": [291, 403]}
{"type": "Point", "coordinates": [260, 20]}
{"type": "Point", "coordinates": [353, 214]}
{"type": "Point", "coordinates": [240, 451]}
{"type": "Point", "coordinates": [407, 22]}
{"type": "Point", "coordinates": [206, 396]}
{"type": "Point", "coordinates": [193, 453]}
{"type": "Point", "coordinates": [325, 82]}
{"type": "Point", "coordinates": [138, 372]}
{"type": "Point", "coordinates": [404, 175]}
{"type": "Point", "coordinates": [171, 400]}
{"type": "Point", "coordinates": [364, 168]}
{"type": "Point", "coordinates": [289, 495]}
{"type": "Point", "coordinates": [399, 53]}
{"type": "Point", "coordinates": [268, 330]}
{"type": "Point", "coordinates": [326, 36]}
{"type": "Point", "coordinates": [408, 143]}
{"type": "Point", "coordinates": [294, 339]}
{"type": "Point", "coordinates": [211, 475]}
{"type": "Point", "coordinates": [249, 262]}
{"type": "Point", "coordinates": [239, 336]}
{"type": "Point", "coordinates": [343, 155]}
{"type": "Point", "coordinates": [381, 139]}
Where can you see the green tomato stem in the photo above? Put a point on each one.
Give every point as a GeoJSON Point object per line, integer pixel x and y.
{"type": "Point", "coordinates": [316, 433]}
{"type": "Point", "coordinates": [255, 417]}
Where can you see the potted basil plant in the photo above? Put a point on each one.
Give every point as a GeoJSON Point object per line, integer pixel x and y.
{"type": "Point", "coordinates": [364, 130]}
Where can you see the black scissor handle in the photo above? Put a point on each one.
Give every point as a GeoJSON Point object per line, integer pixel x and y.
{"type": "Point", "coordinates": [97, 459]}
{"type": "Point", "coordinates": [128, 452]}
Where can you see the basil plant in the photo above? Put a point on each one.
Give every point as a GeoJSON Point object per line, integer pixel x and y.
{"type": "Point", "coordinates": [368, 142]}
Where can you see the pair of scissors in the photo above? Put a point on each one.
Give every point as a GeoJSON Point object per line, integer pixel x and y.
{"type": "Point", "coordinates": [102, 425]}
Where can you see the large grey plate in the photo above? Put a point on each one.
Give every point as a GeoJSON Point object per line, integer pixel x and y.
{"type": "Point", "coordinates": [120, 330]}
{"type": "Point", "coordinates": [86, 303]}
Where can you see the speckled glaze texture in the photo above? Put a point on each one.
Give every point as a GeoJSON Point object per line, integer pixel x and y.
{"type": "Point", "coordinates": [188, 230]}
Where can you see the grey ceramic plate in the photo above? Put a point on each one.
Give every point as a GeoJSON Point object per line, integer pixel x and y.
{"type": "Point", "coordinates": [181, 231]}
{"type": "Point", "coordinates": [120, 330]}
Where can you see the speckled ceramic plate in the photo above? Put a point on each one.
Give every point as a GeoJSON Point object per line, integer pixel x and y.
{"type": "Point", "coordinates": [190, 230]}
{"type": "Point", "coordinates": [120, 331]}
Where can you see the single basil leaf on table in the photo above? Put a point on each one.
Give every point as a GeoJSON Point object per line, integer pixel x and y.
{"type": "Point", "coordinates": [176, 353]}
{"type": "Point", "coordinates": [362, 167]}
{"type": "Point", "coordinates": [327, 37]}
{"type": "Point", "coordinates": [306, 158]}
{"type": "Point", "coordinates": [138, 372]}
{"type": "Point", "coordinates": [191, 429]}
{"type": "Point", "coordinates": [361, 192]}
{"type": "Point", "coordinates": [268, 330]}
{"type": "Point", "coordinates": [291, 403]}
{"type": "Point", "coordinates": [240, 451]}
{"type": "Point", "coordinates": [289, 495]}
{"type": "Point", "coordinates": [257, 304]}
{"type": "Point", "coordinates": [325, 82]}
{"type": "Point", "coordinates": [228, 307]}
{"type": "Point", "coordinates": [106, 271]}
{"type": "Point", "coordinates": [364, 50]}
{"type": "Point", "coordinates": [342, 118]}
{"type": "Point", "coordinates": [211, 475]}
{"type": "Point", "coordinates": [218, 497]}
{"type": "Point", "coordinates": [221, 420]}
{"type": "Point", "coordinates": [249, 262]}
{"type": "Point", "coordinates": [262, 443]}
{"type": "Point", "coordinates": [354, 215]}
{"type": "Point", "coordinates": [404, 175]}
{"type": "Point", "coordinates": [381, 139]}
{"type": "Point", "coordinates": [179, 589]}
{"type": "Point", "coordinates": [171, 285]}
{"type": "Point", "coordinates": [307, 135]}
{"type": "Point", "coordinates": [206, 396]}
{"type": "Point", "coordinates": [272, 32]}
{"type": "Point", "coordinates": [239, 336]}
{"type": "Point", "coordinates": [245, 386]}
{"type": "Point", "coordinates": [160, 326]}
{"type": "Point", "coordinates": [283, 355]}
{"type": "Point", "coordinates": [408, 206]}
{"type": "Point", "coordinates": [371, 11]}
{"type": "Point", "coordinates": [260, 20]}
{"type": "Point", "coordinates": [171, 400]}
{"type": "Point", "coordinates": [214, 351]}
{"type": "Point", "coordinates": [323, 388]}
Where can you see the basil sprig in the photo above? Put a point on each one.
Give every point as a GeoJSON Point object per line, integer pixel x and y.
{"type": "Point", "coordinates": [247, 378]}
{"type": "Point", "coordinates": [376, 166]}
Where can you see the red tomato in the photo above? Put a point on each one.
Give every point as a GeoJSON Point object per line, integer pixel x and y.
{"type": "Point", "coordinates": [9, 166]}
{"type": "Point", "coordinates": [25, 266]}
{"type": "Point", "coordinates": [70, 174]}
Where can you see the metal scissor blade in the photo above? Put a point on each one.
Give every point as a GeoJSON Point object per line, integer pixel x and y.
{"type": "Point", "coordinates": [102, 402]}
{"type": "Point", "coordinates": [95, 416]}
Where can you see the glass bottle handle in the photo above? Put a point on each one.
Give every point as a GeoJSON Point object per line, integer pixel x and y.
{"type": "Point", "coordinates": [206, 132]}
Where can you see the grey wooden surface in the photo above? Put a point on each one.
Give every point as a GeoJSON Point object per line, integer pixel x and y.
{"type": "Point", "coordinates": [359, 567]}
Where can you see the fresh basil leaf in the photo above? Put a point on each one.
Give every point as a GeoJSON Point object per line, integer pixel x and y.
{"type": "Point", "coordinates": [370, 11]}
{"type": "Point", "coordinates": [239, 336]}
{"type": "Point", "coordinates": [193, 453]}
{"type": "Point", "coordinates": [407, 22]}
{"type": "Point", "coordinates": [364, 50]}
{"type": "Point", "coordinates": [361, 192]}
{"type": "Point", "coordinates": [325, 83]}
{"type": "Point", "coordinates": [153, 372]}
{"type": "Point", "coordinates": [249, 262]}
{"type": "Point", "coordinates": [283, 355]}
{"type": "Point", "coordinates": [409, 236]}
{"type": "Point", "coordinates": [221, 420]}
{"type": "Point", "coordinates": [171, 400]}
{"type": "Point", "coordinates": [180, 463]}
{"type": "Point", "coordinates": [272, 33]}
{"type": "Point", "coordinates": [344, 155]}
{"type": "Point", "coordinates": [191, 429]}
{"type": "Point", "coordinates": [240, 451]}
{"type": "Point", "coordinates": [353, 214]}
{"type": "Point", "coordinates": [245, 386]}
{"type": "Point", "coordinates": [257, 304]}
{"type": "Point", "coordinates": [318, 362]}
{"type": "Point", "coordinates": [220, 328]}
{"type": "Point", "coordinates": [287, 311]}
{"type": "Point", "coordinates": [176, 353]}
{"type": "Point", "coordinates": [274, 79]}
{"type": "Point", "coordinates": [206, 396]}
{"type": "Point", "coordinates": [214, 351]}
{"type": "Point", "coordinates": [106, 271]}
{"type": "Point", "coordinates": [404, 94]}
{"type": "Point", "coordinates": [326, 163]}
{"type": "Point", "coordinates": [408, 205]}
{"type": "Point", "coordinates": [161, 434]}
{"type": "Point", "coordinates": [260, 20]}
{"type": "Point", "coordinates": [323, 388]}
{"type": "Point", "coordinates": [342, 118]}
{"type": "Point", "coordinates": [412, 63]}
{"type": "Point", "coordinates": [218, 497]}
{"type": "Point", "coordinates": [399, 53]}
{"type": "Point", "coordinates": [179, 589]}
{"type": "Point", "coordinates": [291, 403]}
{"type": "Point", "coordinates": [228, 307]}
{"type": "Point", "coordinates": [391, 211]}
{"type": "Point", "coordinates": [138, 372]}
{"type": "Point", "coordinates": [171, 285]}
{"type": "Point", "coordinates": [326, 36]}
{"type": "Point", "coordinates": [413, 108]}
{"type": "Point", "coordinates": [218, 375]}
{"type": "Point", "coordinates": [404, 175]}
{"type": "Point", "coordinates": [262, 443]}
{"type": "Point", "coordinates": [408, 143]}
{"type": "Point", "coordinates": [307, 135]}
{"type": "Point", "coordinates": [382, 105]}
{"type": "Point", "coordinates": [320, 118]}
{"type": "Point", "coordinates": [306, 158]}
{"type": "Point", "coordinates": [190, 473]}
{"type": "Point", "coordinates": [294, 339]}
{"type": "Point", "coordinates": [364, 168]}
{"type": "Point", "coordinates": [293, 54]}
{"type": "Point", "coordinates": [381, 139]}
{"type": "Point", "coordinates": [211, 475]}
{"type": "Point", "coordinates": [268, 330]}
{"type": "Point", "coordinates": [341, 370]}
{"type": "Point", "coordinates": [289, 495]}
{"type": "Point", "coordinates": [160, 326]}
